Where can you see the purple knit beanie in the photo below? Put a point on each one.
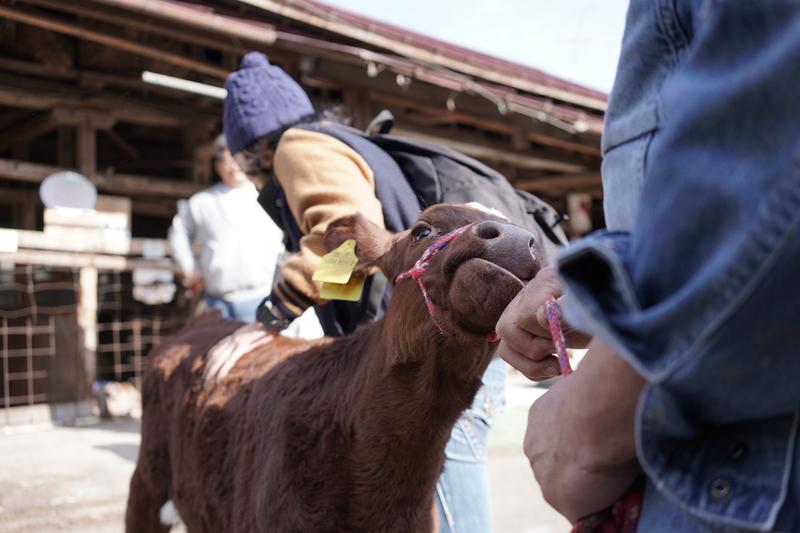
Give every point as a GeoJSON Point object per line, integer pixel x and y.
{"type": "Point", "coordinates": [261, 99]}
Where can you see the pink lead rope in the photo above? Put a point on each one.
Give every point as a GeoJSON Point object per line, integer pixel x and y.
{"type": "Point", "coordinates": [623, 516]}
{"type": "Point", "coordinates": [554, 321]}
{"type": "Point", "coordinates": [418, 270]}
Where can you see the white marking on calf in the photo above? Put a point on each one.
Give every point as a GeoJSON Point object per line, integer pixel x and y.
{"type": "Point", "coordinates": [490, 210]}
{"type": "Point", "coordinates": [224, 355]}
{"type": "Point", "coordinates": [169, 515]}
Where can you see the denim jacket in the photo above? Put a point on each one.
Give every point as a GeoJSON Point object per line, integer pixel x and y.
{"type": "Point", "coordinates": [696, 282]}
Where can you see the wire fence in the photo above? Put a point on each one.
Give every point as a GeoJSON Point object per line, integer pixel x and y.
{"type": "Point", "coordinates": [128, 329]}
{"type": "Point", "coordinates": [35, 302]}
{"type": "Point", "coordinates": [30, 299]}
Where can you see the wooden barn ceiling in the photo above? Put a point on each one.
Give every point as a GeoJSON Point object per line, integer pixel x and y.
{"type": "Point", "coordinates": [72, 93]}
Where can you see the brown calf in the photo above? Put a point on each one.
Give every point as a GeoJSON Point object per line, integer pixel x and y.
{"type": "Point", "coordinates": [344, 435]}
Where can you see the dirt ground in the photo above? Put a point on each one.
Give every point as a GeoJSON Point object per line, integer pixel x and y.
{"type": "Point", "coordinates": [76, 478]}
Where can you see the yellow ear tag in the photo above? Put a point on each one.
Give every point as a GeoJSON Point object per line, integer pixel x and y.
{"type": "Point", "coordinates": [350, 291]}
{"type": "Point", "coordinates": [337, 266]}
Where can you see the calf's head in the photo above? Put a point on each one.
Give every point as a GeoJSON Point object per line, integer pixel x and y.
{"type": "Point", "coordinates": [469, 276]}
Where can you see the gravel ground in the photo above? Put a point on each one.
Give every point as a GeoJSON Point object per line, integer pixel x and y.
{"type": "Point", "coordinates": [55, 479]}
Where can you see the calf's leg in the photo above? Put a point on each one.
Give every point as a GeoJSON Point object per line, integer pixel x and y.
{"type": "Point", "coordinates": [144, 505]}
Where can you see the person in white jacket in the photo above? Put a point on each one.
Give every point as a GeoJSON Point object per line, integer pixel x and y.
{"type": "Point", "coordinates": [223, 239]}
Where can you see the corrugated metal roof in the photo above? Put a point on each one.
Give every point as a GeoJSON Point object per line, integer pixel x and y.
{"type": "Point", "coordinates": [444, 48]}
{"type": "Point", "coordinates": [432, 53]}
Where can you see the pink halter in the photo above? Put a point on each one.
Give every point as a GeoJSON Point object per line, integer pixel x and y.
{"type": "Point", "coordinates": [418, 270]}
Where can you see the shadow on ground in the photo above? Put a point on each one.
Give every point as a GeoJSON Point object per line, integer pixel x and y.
{"type": "Point", "coordinates": [129, 452]}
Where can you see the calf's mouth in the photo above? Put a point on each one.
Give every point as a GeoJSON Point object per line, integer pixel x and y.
{"type": "Point", "coordinates": [479, 292]}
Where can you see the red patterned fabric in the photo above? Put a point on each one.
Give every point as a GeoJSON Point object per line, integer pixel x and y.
{"type": "Point", "coordinates": [622, 517]}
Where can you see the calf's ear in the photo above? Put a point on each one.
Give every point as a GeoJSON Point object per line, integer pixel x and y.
{"type": "Point", "coordinates": [372, 241]}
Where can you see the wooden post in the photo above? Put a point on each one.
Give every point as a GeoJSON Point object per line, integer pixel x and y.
{"type": "Point", "coordinates": [196, 142]}
{"type": "Point", "coordinates": [86, 150]}
{"type": "Point", "coordinates": [87, 320]}
{"type": "Point", "coordinates": [26, 213]}
{"type": "Point", "coordinates": [86, 122]}
{"type": "Point", "coordinates": [357, 102]}
{"type": "Point", "coordinates": [519, 140]}
{"type": "Point", "coordinates": [65, 155]}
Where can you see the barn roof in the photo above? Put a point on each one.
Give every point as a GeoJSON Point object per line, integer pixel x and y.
{"type": "Point", "coordinates": [72, 92]}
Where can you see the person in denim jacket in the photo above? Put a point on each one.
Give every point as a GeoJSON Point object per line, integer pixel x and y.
{"type": "Point", "coordinates": [692, 294]}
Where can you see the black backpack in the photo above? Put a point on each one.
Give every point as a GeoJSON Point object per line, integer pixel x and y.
{"type": "Point", "coordinates": [409, 176]}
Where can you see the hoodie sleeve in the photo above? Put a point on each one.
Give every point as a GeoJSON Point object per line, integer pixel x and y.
{"type": "Point", "coordinates": [323, 179]}
{"type": "Point", "coordinates": [181, 237]}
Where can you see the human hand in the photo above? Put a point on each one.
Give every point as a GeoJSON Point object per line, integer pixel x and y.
{"type": "Point", "coordinates": [192, 279]}
{"type": "Point", "coordinates": [580, 435]}
{"type": "Point", "coordinates": [226, 353]}
{"type": "Point", "coordinates": [526, 343]}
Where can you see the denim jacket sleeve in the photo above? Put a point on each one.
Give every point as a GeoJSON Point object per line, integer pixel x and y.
{"type": "Point", "coordinates": [702, 296]}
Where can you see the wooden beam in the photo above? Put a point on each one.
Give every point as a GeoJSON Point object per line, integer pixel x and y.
{"type": "Point", "coordinates": [18, 196]}
{"type": "Point", "coordinates": [85, 77]}
{"type": "Point", "coordinates": [101, 120]}
{"type": "Point", "coordinates": [122, 144]}
{"type": "Point", "coordinates": [491, 138]}
{"type": "Point", "coordinates": [84, 260]}
{"type": "Point", "coordinates": [500, 126]}
{"type": "Point", "coordinates": [154, 208]}
{"type": "Point", "coordinates": [70, 28]}
{"type": "Point", "coordinates": [32, 99]}
{"type": "Point", "coordinates": [486, 151]}
{"type": "Point", "coordinates": [223, 42]}
{"type": "Point", "coordinates": [238, 30]}
{"type": "Point", "coordinates": [86, 150]}
{"type": "Point", "coordinates": [405, 49]}
{"type": "Point", "coordinates": [348, 75]}
{"type": "Point", "coordinates": [30, 130]}
{"type": "Point", "coordinates": [133, 185]}
{"type": "Point", "coordinates": [156, 164]}
{"type": "Point", "coordinates": [557, 197]}
{"type": "Point", "coordinates": [37, 69]}
{"type": "Point", "coordinates": [562, 183]}
{"type": "Point", "coordinates": [40, 240]}
{"type": "Point", "coordinates": [139, 206]}
{"type": "Point", "coordinates": [19, 92]}
{"type": "Point", "coordinates": [120, 183]}
{"type": "Point", "coordinates": [27, 172]}
{"type": "Point", "coordinates": [441, 112]}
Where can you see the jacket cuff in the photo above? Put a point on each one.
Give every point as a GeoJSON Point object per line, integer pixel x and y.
{"type": "Point", "coordinates": [291, 302]}
{"type": "Point", "coordinates": [601, 299]}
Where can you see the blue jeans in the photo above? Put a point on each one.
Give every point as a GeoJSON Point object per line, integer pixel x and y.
{"type": "Point", "coordinates": [462, 492]}
{"type": "Point", "coordinates": [244, 310]}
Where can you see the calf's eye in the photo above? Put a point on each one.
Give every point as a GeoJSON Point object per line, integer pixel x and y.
{"type": "Point", "coordinates": [421, 232]}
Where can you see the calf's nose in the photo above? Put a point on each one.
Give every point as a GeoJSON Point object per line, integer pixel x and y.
{"type": "Point", "coordinates": [510, 247]}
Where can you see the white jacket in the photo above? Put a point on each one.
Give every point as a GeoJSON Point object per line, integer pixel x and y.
{"type": "Point", "coordinates": [237, 244]}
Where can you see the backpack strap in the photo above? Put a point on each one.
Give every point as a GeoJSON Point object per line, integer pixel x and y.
{"type": "Point", "coordinates": [400, 204]}
{"type": "Point", "coordinates": [545, 216]}
{"type": "Point", "coordinates": [273, 200]}
{"type": "Point", "coordinates": [382, 123]}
